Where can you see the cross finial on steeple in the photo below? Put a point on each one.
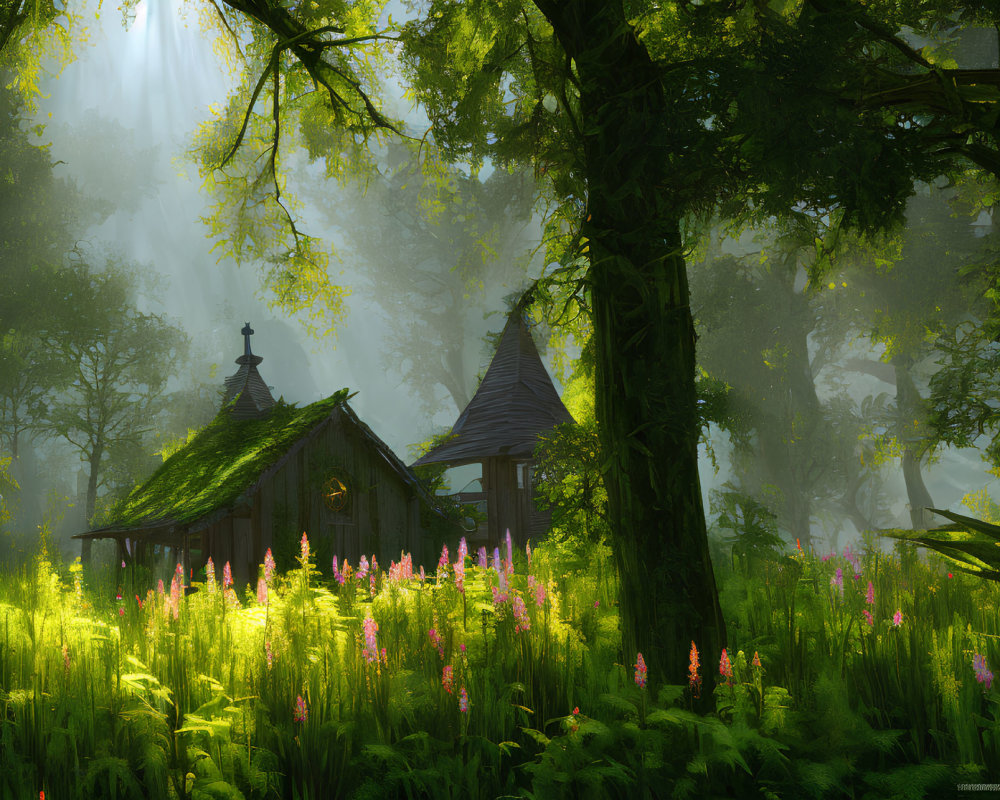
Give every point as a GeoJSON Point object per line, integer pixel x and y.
{"type": "Point", "coordinates": [247, 333]}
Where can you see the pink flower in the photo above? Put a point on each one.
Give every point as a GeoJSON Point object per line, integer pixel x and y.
{"type": "Point", "coordinates": [463, 701]}
{"type": "Point", "coordinates": [983, 673]}
{"type": "Point", "coordinates": [334, 566]}
{"type": "Point", "coordinates": [371, 641]}
{"type": "Point", "coordinates": [870, 594]}
{"type": "Point", "coordinates": [463, 550]}
{"type": "Point", "coordinates": [442, 570]}
{"type": "Point", "coordinates": [540, 595]}
{"type": "Point", "coordinates": [304, 549]}
{"type": "Point", "coordinates": [482, 558]}
{"type": "Point", "coordinates": [640, 671]}
{"type": "Point", "coordinates": [422, 576]}
{"type": "Point", "coordinates": [301, 712]}
{"type": "Point", "coordinates": [496, 560]}
{"type": "Point", "coordinates": [227, 576]}
{"type": "Point", "coordinates": [897, 618]}
{"type": "Point", "coordinates": [521, 621]}
{"type": "Point", "coordinates": [261, 592]}
{"type": "Point", "coordinates": [175, 596]}
{"type": "Point", "coordinates": [371, 584]}
{"type": "Point", "coordinates": [725, 666]}
{"type": "Point", "coordinates": [437, 641]}
{"type": "Point", "coordinates": [837, 581]}
{"type": "Point", "coordinates": [269, 653]}
{"type": "Point", "coordinates": [527, 551]}
{"type": "Point", "coordinates": [868, 617]}
{"type": "Point", "coordinates": [210, 575]}
{"type": "Point", "coordinates": [363, 567]}
{"type": "Point", "coordinates": [597, 604]}
{"type": "Point", "coordinates": [268, 565]}
{"type": "Point", "coordinates": [510, 549]}
{"type": "Point", "coordinates": [446, 677]}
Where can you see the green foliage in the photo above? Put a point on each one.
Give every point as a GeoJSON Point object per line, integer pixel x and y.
{"type": "Point", "coordinates": [204, 706]}
{"type": "Point", "coordinates": [972, 545]}
{"type": "Point", "coordinates": [569, 479]}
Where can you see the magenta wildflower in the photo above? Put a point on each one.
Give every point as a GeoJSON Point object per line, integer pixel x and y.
{"type": "Point", "coordinates": [371, 584]}
{"type": "Point", "coordinates": [510, 548]}
{"type": "Point", "coordinates": [442, 570]}
{"type": "Point", "coordinates": [227, 576]}
{"type": "Point", "coordinates": [640, 671]}
{"type": "Point", "coordinates": [446, 678]}
{"type": "Point", "coordinates": [463, 700]}
{"type": "Point", "coordinates": [268, 565]}
{"type": "Point", "coordinates": [837, 581]}
{"type": "Point", "coordinates": [460, 573]}
{"type": "Point", "coordinates": [482, 558]}
{"type": "Point", "coordinates": [301, 712]}
{"type": "Point", "coordinates": [498, 596]}
{"type": "Point", "coordinates": [363, 568]}
{"type": "Point", "coordinates": [437, 641]}
{"type": "Point", "coordinates": [261, 591]}
{"type": "Point", "coordinates": [983, 673]}
{"type": "Point", "coordinates": [870, 594]}
{"type": "Point", "coordinates": [496, 560]}
{"type": "Point", "coordinates": [175, 596]}
{"type": "Point", "coordinates": [374, 564]}
{"type": "Point", "coordinates": [897, 618]}
{"type": "Point", "coordinates": [371, 641]}
{"type": "Point", "coordinates": [463, 550]}
{"type": "Point", "coordinates": [868, 617]}
{"type": "Point", "coordinates": [336, 571]}
{"type": "Point", "coordinates": [540, 595]}
{"type": "Point", "coordinates": [210, 575]}
{"type": "Point", "coordinates": [521, 621]}
{"type": "Point", "coordinates": [304, 549]}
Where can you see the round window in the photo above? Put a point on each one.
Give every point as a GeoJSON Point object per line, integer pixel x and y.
{"type": "Point", "coordinates": [335, 494]}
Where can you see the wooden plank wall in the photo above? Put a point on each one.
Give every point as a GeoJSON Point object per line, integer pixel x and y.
{"type": "Point", "coordinates": [383, 519]}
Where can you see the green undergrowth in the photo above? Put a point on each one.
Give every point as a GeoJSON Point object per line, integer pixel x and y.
{"type": "Point", "coordinates": [286, 690]}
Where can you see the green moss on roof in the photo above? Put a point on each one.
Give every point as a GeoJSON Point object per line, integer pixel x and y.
{"type": "Point", "coordinates": [221, 462]}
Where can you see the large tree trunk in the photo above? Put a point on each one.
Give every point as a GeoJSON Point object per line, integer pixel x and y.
{"type": "Point", "coordinates": [95, 465]}
{"type": "Point", "coordinates": [645, 348]}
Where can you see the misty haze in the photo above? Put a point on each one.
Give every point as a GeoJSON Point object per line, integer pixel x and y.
{"type": "Point", "coordinates": [479, 399]}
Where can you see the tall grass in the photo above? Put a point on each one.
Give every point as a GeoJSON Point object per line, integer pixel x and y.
{"type": "Point", "coordinates": [302, 697]}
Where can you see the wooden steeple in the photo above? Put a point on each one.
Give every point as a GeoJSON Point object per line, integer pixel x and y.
{"type": "Point", "coordinates": [515, 402]}
{"type": "Point", "coordinates": [252, 398]}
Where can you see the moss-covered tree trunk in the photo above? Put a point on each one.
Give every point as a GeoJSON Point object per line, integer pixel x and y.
{"type": "Point", "coordinates": [645, 346]}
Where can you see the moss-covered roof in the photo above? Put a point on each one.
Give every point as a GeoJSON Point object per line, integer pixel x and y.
{"type": "Point", "coordinates": [220, 463]}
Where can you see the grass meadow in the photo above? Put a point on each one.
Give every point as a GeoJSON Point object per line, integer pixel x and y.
{"type": "Point", "coordinates": [858, 674]}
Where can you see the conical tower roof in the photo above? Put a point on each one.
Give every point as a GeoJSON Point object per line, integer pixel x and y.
{"type": "Point", "coordinates": [253, 399]}
{"type": "Point", "coordinates": [515, 402]}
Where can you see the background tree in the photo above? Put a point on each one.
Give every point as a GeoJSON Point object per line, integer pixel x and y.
{"type": "Point", "coordinates": [121, 360]}
{"type": "Point", "coordinates": [423, 240]}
